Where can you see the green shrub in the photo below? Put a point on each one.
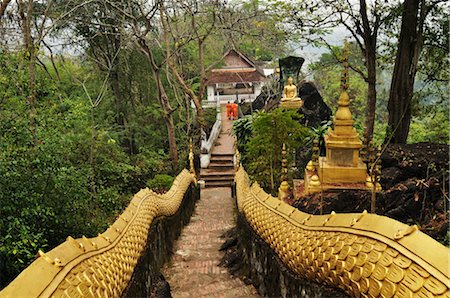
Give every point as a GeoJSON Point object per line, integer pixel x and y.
{"type": "Point", "coordinates": [210, 116]}
{"type": "Point", "coordinates": [263, 150]}
{"type": "Point", "coordinates": [160, 183]}
{"type": "Point", "coordinates": [242, 129]}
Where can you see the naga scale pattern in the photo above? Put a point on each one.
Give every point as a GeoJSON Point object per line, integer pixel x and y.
{"type": "Point", "coordinates": [366, 255]}
{"type": "Point", "coordinates": [100, 266]}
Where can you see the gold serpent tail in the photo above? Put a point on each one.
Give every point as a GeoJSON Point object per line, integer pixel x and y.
{"type": "Point", "coordinates": [101, 266]}
{"type": "Point", "coordinates": [366, 255]}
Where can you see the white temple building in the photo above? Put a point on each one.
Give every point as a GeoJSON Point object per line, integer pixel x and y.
{"type": "Point", "coordinates": [239, 78]}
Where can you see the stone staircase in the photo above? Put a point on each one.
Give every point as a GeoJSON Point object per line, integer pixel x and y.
{"type": "Point", "coordinates": [220, 172]}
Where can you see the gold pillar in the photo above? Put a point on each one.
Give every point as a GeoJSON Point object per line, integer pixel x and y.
{"type": "Point", "coordinates": [237, 159]}
{"type": "Point", "coordinates": [191, 160]}
{"type": "Point", "coordinates": [284, 190]}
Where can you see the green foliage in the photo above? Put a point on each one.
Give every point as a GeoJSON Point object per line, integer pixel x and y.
{"type": "Point", "coordinates": [101, 133]}
{"type": "Point", "coordinates": [270, 131]}
{"type": "Point", "coordinates": [210, 116]}
{"type": "Point", "coordinates": [433, 127]}
{"type": "Point", "coordinates": [78, 175]}
{"type": "Point", "coordinates": [328, 81]}
{"type": "Point", "coordinates": [242, 129]}
{"type": "Point", "coordinates": [160, 183]}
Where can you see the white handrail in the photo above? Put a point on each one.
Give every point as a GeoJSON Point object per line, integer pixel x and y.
{"type": "Point", "coordinates": [207, 145]}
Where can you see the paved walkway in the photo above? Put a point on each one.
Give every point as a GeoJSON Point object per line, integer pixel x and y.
{"type": "Point", "coordinates": [225, 142]}
{"type": "Point", "coordinates": [193, 271]}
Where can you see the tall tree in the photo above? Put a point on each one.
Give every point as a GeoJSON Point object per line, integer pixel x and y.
{"type": "Point", "coordinates": [144, 23]}
{"type": "Point", "coordinates": [113, 29]}
{"type": "Point", "coordinates": [194, 21]}
{"type": "Point", "coordinates": [26, 10]}
{"type": "Point", "coordinates": [410, 44]}
{"type": "Point", "coordinates": [362, 20]}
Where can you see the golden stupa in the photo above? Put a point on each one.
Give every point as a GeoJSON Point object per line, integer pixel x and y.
{"type": "Point", "coordinates": [342, 167]}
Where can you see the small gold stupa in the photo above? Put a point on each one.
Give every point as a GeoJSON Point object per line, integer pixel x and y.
{"type": "Point", "coordinates": [342, 167]}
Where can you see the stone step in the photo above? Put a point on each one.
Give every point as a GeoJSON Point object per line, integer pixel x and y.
{"type": "Point", "coordinates": [218, 183]}
{"type": "Point", "coordinates": [222, 155]}
{"type": "Point", "coordinates": [215, 172]}
{"type": "Point", "coordinates": [225, 160]}
{"type": "Point", "coordinates": [217, 178]}
{"type": "Point", "coordinates": [220, 166]}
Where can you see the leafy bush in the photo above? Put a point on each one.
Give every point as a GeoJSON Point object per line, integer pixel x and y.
{"type": "Point", "coordinates": [160, 183]}
{"type": "Point", "coordinates": [77, 176]}
{"type": "Point", "coordinates": [210, 116]}
{"type": "Point", "coordinates": [269, 132]}
{"type": "Point", "coordinates": [242, 129]}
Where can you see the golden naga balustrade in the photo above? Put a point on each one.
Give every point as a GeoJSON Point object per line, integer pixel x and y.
{"type": "Point", "coordinates": [366, 255]}
{"type": "Point", "coordinates": [101, 266]}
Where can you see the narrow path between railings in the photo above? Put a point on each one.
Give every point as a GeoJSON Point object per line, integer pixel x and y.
{"type": "Point", "coordinates": [193, 270]}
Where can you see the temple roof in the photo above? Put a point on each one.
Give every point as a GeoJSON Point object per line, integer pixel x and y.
{"type": "Point", "coordinates": [237, 68]}
{"type": "Point", "coordinates": [227, 76]}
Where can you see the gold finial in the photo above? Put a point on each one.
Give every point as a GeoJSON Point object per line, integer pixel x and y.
{"type": "Point", "coordinates": [237, 159]}
{"type": "Point", "coordinates": [315, 181]}
{"type": "Point", "coordinates": [284, 191]}
{"type": "Point", "coordinates": [344, 60]}
{"type": "Point", "coordinates": [315, 154]}
{"type": "Point", "coordinates": [310, 166]}
{"type": "Point", "coordinates": [191, 158]}
{"type": "Point", "coordinates": [283, 164]}
{"type": "Point", "coordinates": [343, 111]}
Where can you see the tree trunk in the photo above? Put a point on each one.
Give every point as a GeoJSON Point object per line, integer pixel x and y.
{"type": "Point", "coordinates": [29, 47]}
{"type": "Point", "coordinates": [197, 99]}
{"type": "Point", "coordinates": [163, 101]}
{"type": "Point", "coordinates": [369, 36]}
{"type": "Point", "coordinates": [402, 85]}
{"type": "Point", "coordinates": [167, 115]}
{"type": "Point", "coordinates": [121, 112]}
{"type": "Point", "coordinates": [371, 91]}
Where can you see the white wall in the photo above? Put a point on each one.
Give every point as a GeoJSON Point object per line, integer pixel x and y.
{"type": "Point", "coordinates": [210, 92]}
{"type": "Point", "coordinates": [257, 89]}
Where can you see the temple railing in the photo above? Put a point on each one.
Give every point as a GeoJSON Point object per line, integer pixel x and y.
{"type": "Point", "coordinates": [362, 254]}
{"type": "Point", "coordinates": [207, 144]}
{"type": "Point", "coordinates": [104, 265]}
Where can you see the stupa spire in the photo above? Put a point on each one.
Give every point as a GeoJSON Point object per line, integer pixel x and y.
{"type": "Point", "coordinates": [343, 113]}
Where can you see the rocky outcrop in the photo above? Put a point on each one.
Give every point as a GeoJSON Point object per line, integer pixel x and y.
{"type": "Point", "coordinates": [314, 109]}
{"type": "Point", "coordinates": [415, 190]}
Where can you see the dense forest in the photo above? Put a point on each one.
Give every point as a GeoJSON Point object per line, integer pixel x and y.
{"type": "Point", "coordinates": [99, 98]}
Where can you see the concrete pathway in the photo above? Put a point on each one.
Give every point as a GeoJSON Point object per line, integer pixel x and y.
{"type": "Point", "coordinates": [193, 271]}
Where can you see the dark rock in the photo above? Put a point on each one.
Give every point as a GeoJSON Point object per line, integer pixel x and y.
{"type": "Point", "coordinates": [229, 243]}
{"type": "Point", "coordinates": [416, 160]}
{"type": "Point", "coordinates": [161, 288]}
{"type": "Point", "coordinates": [413, 178]}
{"type": "Point", "coordinates": [314, 110]}
{"type": "Point", "coordinates": [391, 176]}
